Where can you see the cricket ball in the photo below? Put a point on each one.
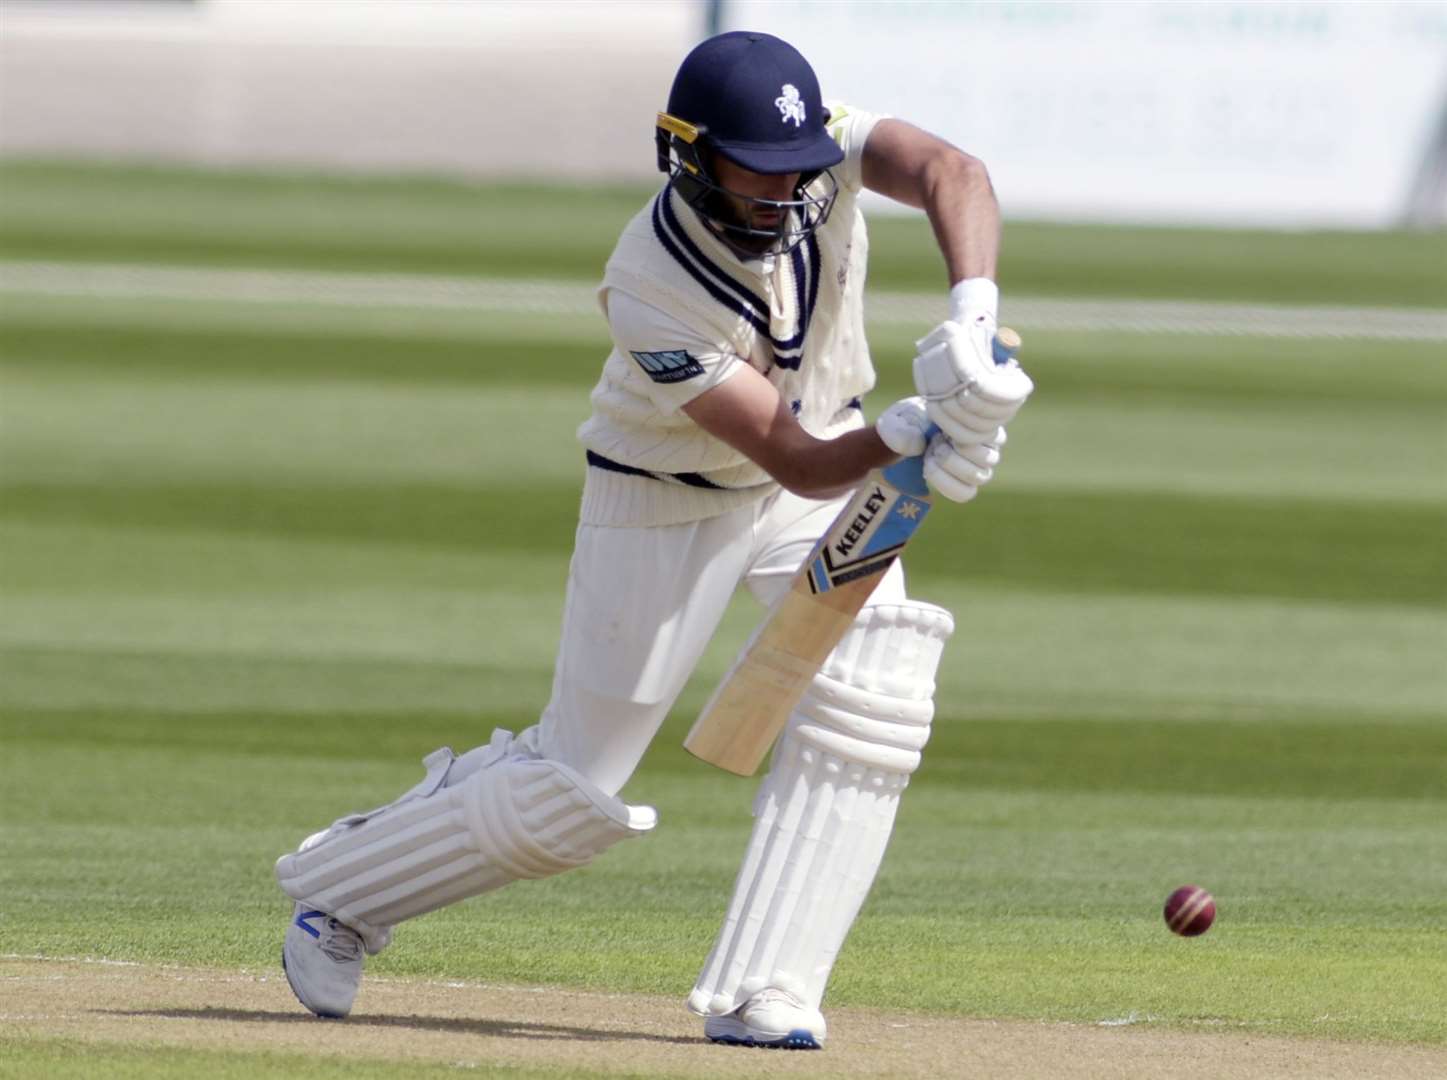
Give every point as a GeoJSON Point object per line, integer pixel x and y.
{"type": "Point", "coordinates": [1190, 911]}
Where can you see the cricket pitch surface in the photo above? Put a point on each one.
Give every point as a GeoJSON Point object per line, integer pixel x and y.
{"type": "Point", "coordinates": [110, 1005]}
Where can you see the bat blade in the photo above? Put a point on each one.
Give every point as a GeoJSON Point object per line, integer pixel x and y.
{"type": "Point", "coordinates": [752, 703]}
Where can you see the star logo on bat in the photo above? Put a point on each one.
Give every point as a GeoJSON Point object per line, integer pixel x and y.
{"type": "Point", "coordinates": [909, 510]}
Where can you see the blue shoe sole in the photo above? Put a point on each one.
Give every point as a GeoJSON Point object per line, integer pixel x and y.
{"type": "Point", "coordinates": [798, 1039]}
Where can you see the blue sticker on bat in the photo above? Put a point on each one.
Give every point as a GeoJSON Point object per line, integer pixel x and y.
{"type": "Point", "coordinates": [904, 517]}
{"type": "Point", "coordinates": [907, 474]}
{"type": "Point", "coordinates": [668, 367]}
{"type": "Point", "coordinates": [882, 524]}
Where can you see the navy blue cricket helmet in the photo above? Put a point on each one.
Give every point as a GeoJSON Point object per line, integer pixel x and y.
{"type": "Point", "coordinates": [753, 99]}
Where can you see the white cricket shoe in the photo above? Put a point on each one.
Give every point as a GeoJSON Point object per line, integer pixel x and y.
{"type": "Point", "coordinates": [774, 1018]}
{"type": "Point", "coordinates": [322, 959]}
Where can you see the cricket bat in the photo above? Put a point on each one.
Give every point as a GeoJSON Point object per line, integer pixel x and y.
{"type": "Point", "coordinates": [753, 701]}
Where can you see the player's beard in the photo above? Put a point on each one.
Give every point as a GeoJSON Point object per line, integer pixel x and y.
{"type": "Point", "coordinates": [726, 210]}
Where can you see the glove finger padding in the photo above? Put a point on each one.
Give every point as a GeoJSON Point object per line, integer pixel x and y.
{"type": "Point", "coordinates": [971, 401]}
{"type": "Point", "coordinates": [954, 474]}
{"type": "Point", "coordinates": [947, 485]}
{"type": "Point", "coordinates": [981, 455]}
{"type": "Point", "coordinates": [1003, 386]}
{"type": "Point", "coordinates": [961, 425]}
{"type": "Point", "coordinates": [949, 458]}
{"type": "Point", "coordinates": [962, 430]}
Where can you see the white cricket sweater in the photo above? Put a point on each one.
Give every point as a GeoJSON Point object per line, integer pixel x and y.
{"type": "Point", "coordinates": [683, 312]}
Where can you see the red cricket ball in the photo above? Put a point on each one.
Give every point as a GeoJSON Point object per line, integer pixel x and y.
{"type": "Point", "coordinates": [1190, 910]}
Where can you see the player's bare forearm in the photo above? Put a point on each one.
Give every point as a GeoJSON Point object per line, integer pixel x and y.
{"type": "Point", "coordinates": [832, 467]}
{"type": "Point", "coordinates": [952, 187]}
{"type": "Point", "coordinates": [746, 412]}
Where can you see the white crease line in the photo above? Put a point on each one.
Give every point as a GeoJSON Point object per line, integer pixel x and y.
{"type": "Point", "coordinates": [1123, 1021]}
{"type": "Point", "coordinates": [16, 1018]}
{"type": "Point", "coordinates": [532, 297]}
{"type": "Point", "coordinates": [181, 973]}
{"type": "Point", "coordinates": [71, 959]}
{"type": "Point", "coordinates": [172, 972]}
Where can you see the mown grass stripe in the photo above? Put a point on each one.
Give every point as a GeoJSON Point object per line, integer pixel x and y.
{"type": "Point", "coordinates": [542, 297]}
{"type": "Point", "coordinates": [1072, 542]}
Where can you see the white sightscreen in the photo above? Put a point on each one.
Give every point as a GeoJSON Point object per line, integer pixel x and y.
{"type": "Point", "coordinates": [1258, 113]}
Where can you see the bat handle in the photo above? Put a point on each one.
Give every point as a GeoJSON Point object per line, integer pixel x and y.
{"type": "Point", "coordinates": [1005, 345]}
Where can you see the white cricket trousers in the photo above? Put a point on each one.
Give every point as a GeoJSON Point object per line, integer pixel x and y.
{"type": "Point", "coordinates": [642, 604]}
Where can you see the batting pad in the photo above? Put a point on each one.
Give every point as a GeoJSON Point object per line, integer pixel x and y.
{"type": "Point", "coordinates": [825, 811]}
{"type": "Point", "coordinates": [517, 818]}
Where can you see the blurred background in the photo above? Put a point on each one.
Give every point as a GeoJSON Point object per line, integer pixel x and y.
{"type": "Point", "coordinates": [1275, 114]}
{"type": "Point", "coordinates": [296, 326]}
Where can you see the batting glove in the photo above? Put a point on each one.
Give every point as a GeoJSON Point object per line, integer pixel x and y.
{"type": "Point", "coordinates": [967, 393]}
{"type": "Point", "coordinates": [958, 472]}
{"type": "Point", "coordinates": [904, 427]}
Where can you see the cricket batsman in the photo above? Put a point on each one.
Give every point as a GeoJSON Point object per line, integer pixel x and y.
{"type": "Point", "coordinates": [726, 432]}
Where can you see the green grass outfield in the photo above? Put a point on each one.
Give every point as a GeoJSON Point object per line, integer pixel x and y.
{"type": "Point", "coordinates": [258, 559]}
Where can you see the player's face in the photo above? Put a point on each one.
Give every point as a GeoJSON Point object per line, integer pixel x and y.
{"type": "Point", "coordinates": [742, 185]}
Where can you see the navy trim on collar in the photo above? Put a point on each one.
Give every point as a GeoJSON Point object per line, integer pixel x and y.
{"type": "Point", "coordinates": [730, 293]}
{"type": "Point", "coordinates": [704, 270]}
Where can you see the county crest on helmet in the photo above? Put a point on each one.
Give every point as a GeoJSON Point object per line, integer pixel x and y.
{"type": "Point", "coordinates": [790, 104]}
